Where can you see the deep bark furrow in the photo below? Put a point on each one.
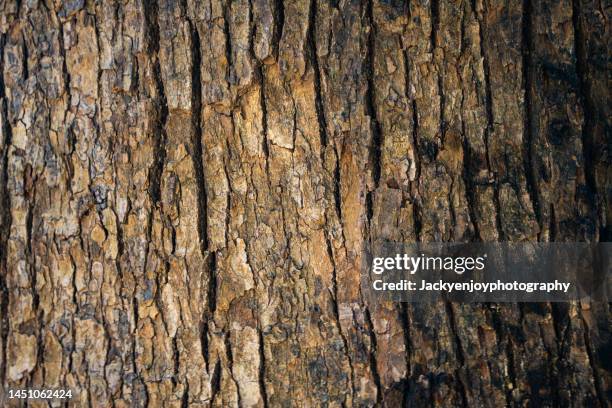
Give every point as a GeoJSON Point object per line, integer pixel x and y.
{"type": "Point", "coordinates": [5, 214]}
{"type": "Point", "coordinates": [598, 382]}
{"type": "Point", "coordinates": [262, 370]}
{"type": "Point", "coordinates": [312, 35]}
{"type": "Point", "coordinates": [377, 136]}
{"type": "Point", "coordinates": [162, 109]}
{"type": "Point", "coordinates": [588, 106]}
{"type": "Point", "coordinates": [460, 353]}
{"type": "Point", "coordinates": [527, 51]}
{"type": "Point", "coordinates": [488, 130]}
{"type": "Point", "coordinates": [279, 25]}
{"type": "Point", "coordinates": [372, 357]}
{"type": "Point", "coordinates": [197, 155]}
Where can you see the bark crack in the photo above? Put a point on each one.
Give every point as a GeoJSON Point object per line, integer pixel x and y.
{"type": "Point", "coordinates": [490, 125]}
{"type": "Point", "coordinates": [588, 107]}
{"type": "Point", "coordinates": [160, 136]}
{"type": "Point", "coordinates": [598, 381]}
{"type": "Point", "coordinates": [528, 80]}
{"type": "Point", "coordinates": [262, 369]}
{"type": "Point", "coordinates": [5, 215]}
{"type": "Point", "coordinates": [336, 311]}
{"type": "Point", "coordinates": [311, 36]}
{"type": "Point", "coordinates": [370, 100]}
{"type": "Point", "coordinates": [461, 388]}
{"type": "Point", "coordinates": [372, 353]}
{"type": "Point", "coordinates": [198, 164]}
{"type": "Point", "coordinates": [279, 25]}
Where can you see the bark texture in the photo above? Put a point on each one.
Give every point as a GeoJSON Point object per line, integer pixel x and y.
{"type": "Point", "coordinates": [187, 187]}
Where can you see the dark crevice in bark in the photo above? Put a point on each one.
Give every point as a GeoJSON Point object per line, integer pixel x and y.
{"type": "Point", "coordinates": [470, 187]}
{"type": "Point", "coordinates": [330, 254]}
{"type": "Point", "coordinates": [488, 96]}
{"type": "Point", "coordinates": [5, 215]}
{"type": "Point", "coordinates": [373, 350]}
{"type": "Point", "coordinates": [552, 225]}
{"type": "Point", "coordinates": [370, 100]}
{"type": "Point", "coordinates": [490, 127]}
{"type": "Point", "coordinates": [311, 36]}
{"type": "Point", "coordinates": [262, 369]}
{"type": "Point", "coordinates": [461, 389]}
{"type": "Point", "coordinates": [504, 341]}
{"type": "Point", "coordinates": [487, 79]}
{"type": "Point", "coordinates": [435, 23]}
{"type": "Point", "coordinates": [561, 326]}
{"type": "Point", "coordinates": [65, 73]}
{"type": "Point", "coordinates": [25, 69]}
{"type": "Point", "coordinates": [159, 136]}
{"type": "Point", "coordinates": [563, 336]}
{"type": "Point", "coordinates": [589, 107]}
{"type": "Point", "coordinates": [551, 352]}
{"type": "Point", "coordinates": [176, 361]}
{"type": "Point", "coordinates": [405, 321]}
{"type": "Point", "coordinates": [198, 164]}
{"type": "Point", "coordinates": [157, 168]}
{"type": "Point", "coordinates": [279, 24]}
{"type": "Point", "coordinates": [185, 397]}
{"type": "Point", "coordinates": [370, 208]}
{"type": "Point", "coordinates": [498, 217]}
{"type": "Point", "coordinates": [511, 372]}
{"type": "Point", "coordinates": [212, 290]}
{"type": "Point", "coordinates": [215, 382]}
{"type": "Point", "coordinates": [228, 40]}
{"type": "Point", "coordinates": [160, 140]}
{"type": "Point", "coordinates": [336, 311]}
{"type": "Point", "coordinates": [230, 364]}
{"type": "Point", "coordinates": [74, 299]}
{"type": "Point", "coordinates": [337, 186]}
{"type": "Point", "coordinates": [417, 217]}
{"type": "Point", "coordinates": [264, 118]}
{"type": "Point", "coordinates": [416, 205]}
{"type": "Point", "coordinates": [435, 28]}
{"type": "Point", "coordinates": [599, 383]}
{"type": "Point", "coordinates": [528, 81]}
{"type": "Point", "coordinates": [251, 39]}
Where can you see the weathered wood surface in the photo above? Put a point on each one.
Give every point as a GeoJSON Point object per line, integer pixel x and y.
{"type": "Point", "coordinates": [186, 190]}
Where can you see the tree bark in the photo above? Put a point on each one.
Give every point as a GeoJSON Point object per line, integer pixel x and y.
{"type": "Point", "coordinates": [187, 189]}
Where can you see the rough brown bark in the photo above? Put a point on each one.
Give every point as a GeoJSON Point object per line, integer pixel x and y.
{"type": "Point", "coordinates": [187, 189]}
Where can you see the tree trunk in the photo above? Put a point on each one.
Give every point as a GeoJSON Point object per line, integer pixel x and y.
{"type": "Point", "coordinates": [187, 189]}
